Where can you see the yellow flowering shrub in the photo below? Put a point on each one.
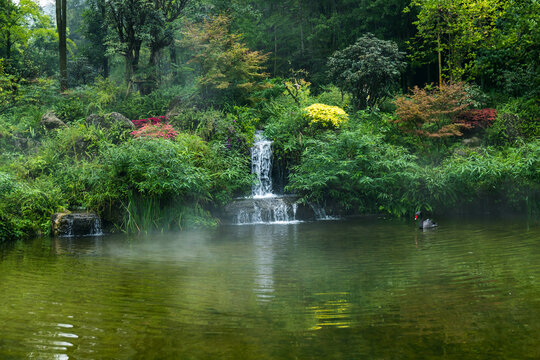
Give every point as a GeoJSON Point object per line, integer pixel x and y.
{"type": "Point", "coordinates": [325, 115]}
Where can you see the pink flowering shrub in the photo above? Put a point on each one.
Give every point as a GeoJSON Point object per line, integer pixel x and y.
{"type": "Point", "coordinates": [158, 130]}
{"type": "Point", "coordinates": [152, 120]}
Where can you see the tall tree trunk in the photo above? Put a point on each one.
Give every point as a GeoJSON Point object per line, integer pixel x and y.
{"type": "Point", "coordinates": [301, 16]}
{"type": "Point", "coordinates": [136, 55]}
{"type": "Point", "coordinates": [275, 52]}
{"type": "Point", "coordinates": [174, 60]}
{"type": "Point", "coordinates": [439, 57]}
{"type": "Point", "coordinates": [129, 69]}
{"type": "Point", "coordinates": [62, 46]}
{"type": "Point", "coordinates": [105, 60]}
{"type": "Point", "coordinates": [154, 78]}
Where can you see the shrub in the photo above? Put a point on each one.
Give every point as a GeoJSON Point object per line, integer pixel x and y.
{"type": "Point", "coordinates": [146, 183]}
{"type": "Point", "coordinates": [325, 116]}
{"type": "Point", "coordinates": [332, 95]}
{"type": "Point", "coordinates": [518, 120]}
{"type": "Point", "coordinates": [158, 130]}
{"type": "Point", "coordinates": [475, 119]}
{"type": "Point", "coordinates": [152, 121]}
{"type": "Point", "coordinates": [9, 87]}
{"type": "Point", "coordinates": [26, 209]}
{"type": "Point", "coordinates": [431, 112]}
{"type": "Point", "coordinates": [497, 177]}
{"type": "Point", "coordinates": [357, 171]}
{"type": "Point", "coordinates": [69, 108]}
{"type": "Point", "coordinates": [153, 167]}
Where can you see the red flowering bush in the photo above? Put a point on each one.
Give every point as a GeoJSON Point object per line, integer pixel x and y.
{"type": "Point", "coordinates": [158, 130]}
{"type": "Point", "coordinates": [152, 121]}
{"type": "Point", "coordinates": [477, 118]}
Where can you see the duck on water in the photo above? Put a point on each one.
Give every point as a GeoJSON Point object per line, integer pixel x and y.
{"type": "Point", "coordinates": [424, 224]}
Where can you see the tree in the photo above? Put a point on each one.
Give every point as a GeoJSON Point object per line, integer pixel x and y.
{"type": "Point", "coordinates": [368, 69]}
{"type": "Point", "coordinates": [228, 68]}
{"type": "Point", "coordinates": [162, 29]}
{"type": "Point", "coordinates": [302, 34]}
{"type": "Point", "coordinates": [129, 20]}
{"type": "Point", "coordinates": [61, 22]}
{"type": "Point", "coordinates": [455, 30]}
{"type": "Point", "coordinates": [95, 32]}
{"type": "Point", "coordinates": [431, 112]}
{"type": "Point", "coordinates": [511, 62]}
{"type": "Point", "coordinates": [18, 21]}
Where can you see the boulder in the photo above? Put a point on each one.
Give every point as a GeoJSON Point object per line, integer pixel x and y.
{"type": "Point", "coordinates": [95, 119]}
{"type": "Point", "coordinates": [113, 119]}
{"type": "Point", "coordinates": [75, 224]}
{"type": "Point", "coordinates": [51, 122]}
{"type": "Point", "coordinates": [472, 142]}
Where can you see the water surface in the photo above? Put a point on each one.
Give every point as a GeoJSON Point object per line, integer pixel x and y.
{"type": "Point", "coordinates": [327, 290]}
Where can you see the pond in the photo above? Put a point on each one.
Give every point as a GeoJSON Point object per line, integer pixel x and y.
{"type": "Point", "coordinates": [362, 289]}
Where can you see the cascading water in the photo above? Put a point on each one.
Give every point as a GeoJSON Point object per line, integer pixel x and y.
{"type": "Point", "coordinates": [320, 213]}
{"type": "Point", "coordinates": [261, 165]}
{"type": "Point", "coordinates": [264, 207]}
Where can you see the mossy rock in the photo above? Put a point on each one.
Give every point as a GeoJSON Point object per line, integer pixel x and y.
{"type": "Point", "coordinates": [111, 120]}
{"type": "Point", "coordinates": [51, 122]}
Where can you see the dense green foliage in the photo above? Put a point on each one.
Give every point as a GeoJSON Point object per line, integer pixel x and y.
{"type": "Point", "coordinates": [369, 69]}
{"type": "Point", "coordinates": [356, 125]}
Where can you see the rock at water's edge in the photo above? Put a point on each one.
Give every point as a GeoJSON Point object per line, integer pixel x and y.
{"type": "Point", "coordinates": [75, 224]}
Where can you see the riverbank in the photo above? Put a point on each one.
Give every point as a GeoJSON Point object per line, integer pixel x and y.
{"type": "Point", "coordinates": [174, 172]}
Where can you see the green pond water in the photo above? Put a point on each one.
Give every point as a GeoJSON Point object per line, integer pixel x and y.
{"type": "Point", "coordinates": [365, 289]}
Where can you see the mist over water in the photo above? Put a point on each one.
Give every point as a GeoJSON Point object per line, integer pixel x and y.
{"type": "Point", "coordinates": [332, 290]}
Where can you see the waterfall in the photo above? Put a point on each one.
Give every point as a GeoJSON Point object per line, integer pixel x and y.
{"type": "Point", "coordinates": [261, 165]}
{"type": "Point", "coordinates": [265, 207]}
{"type": "Point", "coordinates": [96, 228]}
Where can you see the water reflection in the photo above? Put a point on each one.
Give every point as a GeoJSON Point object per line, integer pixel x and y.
{"type": "Point", "coordinates": [340, 290]}
{"type": "Point", "coordinates": [88, 245]}
{"type": "Point", "coordinates": [333, 310]}
{"type": "Point", "coordinates": [264, 266]}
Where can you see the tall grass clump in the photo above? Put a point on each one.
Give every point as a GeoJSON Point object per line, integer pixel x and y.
{"type": "Point", "coordinates": [148, 178]}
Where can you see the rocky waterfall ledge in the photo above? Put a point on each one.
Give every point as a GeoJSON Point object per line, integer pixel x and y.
{"type": "Point", "coordinates": [76, 224]}
{"type": "Point", "coordinates": [268, 210]}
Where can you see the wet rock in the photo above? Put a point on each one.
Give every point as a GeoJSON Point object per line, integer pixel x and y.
{"type": "Point", "coordinates": [266, 210]}
{"type": "Point", "coordinates": [113, 119]}
{"type": "Point", "coordinates": [50, 121]}
{"type": "Point", "coordinates": [75, 224]}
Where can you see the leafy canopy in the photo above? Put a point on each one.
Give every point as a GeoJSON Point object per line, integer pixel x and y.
{"type": "Point", "coordinates": [369, 69]}
{"type": "Point", "coordinates": [457, 29]}
{"type": "Point", "coordinates": [226, 64]}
